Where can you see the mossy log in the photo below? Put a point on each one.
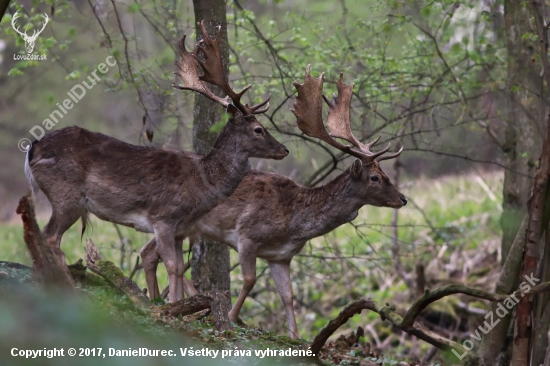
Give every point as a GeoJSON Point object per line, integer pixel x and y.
{"type": "Point", "coordinates": [114, 275]}
{"type": "Point", "coordinates": [81, 275]}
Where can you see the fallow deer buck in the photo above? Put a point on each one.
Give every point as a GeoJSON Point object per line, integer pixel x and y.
{"type": "Point", "coordinates": [272, 217]}
{"type": "Point", "coordinates": [152, 190]}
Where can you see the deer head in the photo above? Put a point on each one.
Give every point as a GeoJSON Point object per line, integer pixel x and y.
{"type": "Point", "coordinates": [365, 170]}
{"type": "Point", "coordinates": [195, 73]}
{"type": "Point", "coordinates": [29, 40]}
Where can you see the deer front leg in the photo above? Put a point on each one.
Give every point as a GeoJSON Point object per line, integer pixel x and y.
{"type": "Point", "coordinates": [247, 257]}
{"type": "Point", "coordinates": [166, 247]}
{"type": "Point", "coordinates": [150, 259]}
{"type": "Point", "coordinates": [280, 271]}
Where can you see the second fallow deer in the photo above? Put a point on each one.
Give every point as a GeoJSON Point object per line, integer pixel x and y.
{"type": "Point", "coordinates": [152, 190]}
{"type": "Point", "coordinates": [270, 216]}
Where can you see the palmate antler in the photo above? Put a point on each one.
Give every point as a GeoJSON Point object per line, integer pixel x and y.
{"type": "Point", "coordinates": [308, 110]}
{"type": "Point", "coordinates": [191, 66]}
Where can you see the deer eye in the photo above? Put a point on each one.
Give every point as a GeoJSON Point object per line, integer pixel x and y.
{"type": "Point", "coordinates": [374, 178]}
{"type": "Point", "coordinates": [259, 130]}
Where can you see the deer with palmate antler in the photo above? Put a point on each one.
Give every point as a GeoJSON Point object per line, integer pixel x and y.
{"type": "Point", "coordinates": [152, 190]}
{"type": "Point", "coordinates": [272, 217]}
{"type": "Point", "coordinates": [29, 40]}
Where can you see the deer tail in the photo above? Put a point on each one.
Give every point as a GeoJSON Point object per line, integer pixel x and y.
{"type": "Point", "coordinates": [28, 171]}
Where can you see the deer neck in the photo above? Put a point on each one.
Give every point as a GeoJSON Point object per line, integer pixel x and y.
{"type": "Point", "coordinates": [329, 206]}
{"type": "Point", "coordinates": [225, 166]}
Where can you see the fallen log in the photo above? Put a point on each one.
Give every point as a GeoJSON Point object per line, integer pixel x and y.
{"type": "Point", "coordinates": [13, 265]}
{"type": "Point", "coordinates": [114, 275]}
{"type": "Point", "coordinates": [187, 306]}
{"type": "Point", "coordinates": [81, 275]}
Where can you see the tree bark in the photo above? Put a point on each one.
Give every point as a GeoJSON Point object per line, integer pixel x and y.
{"type": "Point", "coordinates": [494, 342]}
{"type": "Point", "coordinates": [3, 7]}
{"type": "Point", "coordinates": [525, 318]}
{"type": "Point", "coordinates": [47, 267]}
{"type": "Point", "coordinates": [540, 339]}
{"type": "Point", "coordinates": [210, 262]}
{"type": "Point", "coordinates": [524, 321]}
{"type": "Point", "coordinates": [542, 313]}
{"type": "Point", "coordinates": [524, 130]}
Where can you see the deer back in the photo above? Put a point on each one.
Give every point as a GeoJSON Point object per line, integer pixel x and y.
{"type": "Point", "coordinates": [82, 171]}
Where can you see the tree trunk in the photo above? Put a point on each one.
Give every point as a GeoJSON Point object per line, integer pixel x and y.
{"type": "Point", "coordinates": [210, 261]}
{"type": "Point", "coordinates": [524, 130]}
{"type": "Point", "coordinates": [494, 342]}
{"type": "Point", "coordinates": [3, 7]}
{"type": "Point", "coordinates": [524, 320]}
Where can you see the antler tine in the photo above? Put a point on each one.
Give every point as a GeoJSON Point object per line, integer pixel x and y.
{"type": "Point", "coordinates": [390, 156]}
{"type": "Point", "coordinates": [214, 72]}
{"type": "Point", "coordinates": [257, 109]}
{"type": "Point", "coordinates": [188, 69]}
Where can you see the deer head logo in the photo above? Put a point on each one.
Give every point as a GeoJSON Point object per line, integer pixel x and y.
{"type": "Point", "coordinates": [29, 40]}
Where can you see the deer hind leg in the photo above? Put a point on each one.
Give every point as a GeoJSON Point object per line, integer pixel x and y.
{"type": "Point", "coordinates": [280, 271]}
{"type": "Point", "coordinates": [247, 257]}
{"type": "Point", "coordinates": [166, 247]}
{"type": "Point", "coordinates": [61, 221]}
{"type": "Point", "coordinates": [150, 259]}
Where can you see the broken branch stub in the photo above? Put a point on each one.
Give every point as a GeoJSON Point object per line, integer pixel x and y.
{"type": "Point", "coordinates": [47, 265]}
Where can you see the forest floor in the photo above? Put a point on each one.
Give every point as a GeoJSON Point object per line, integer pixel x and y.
{"type": "Point", "coordinates": [109, 321]}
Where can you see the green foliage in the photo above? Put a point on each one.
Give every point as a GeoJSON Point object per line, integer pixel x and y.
{"type": "Point", "coordinates": [218, 126]}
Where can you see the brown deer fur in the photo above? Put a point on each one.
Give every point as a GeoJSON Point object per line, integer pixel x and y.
{"type": "Point", "coordinates": [152, 190]}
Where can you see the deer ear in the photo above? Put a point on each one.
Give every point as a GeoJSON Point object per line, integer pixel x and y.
{"type": "Point", "coordinates": [356, 169]}
{"type": "Point", "coordinates": [234, 111]}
